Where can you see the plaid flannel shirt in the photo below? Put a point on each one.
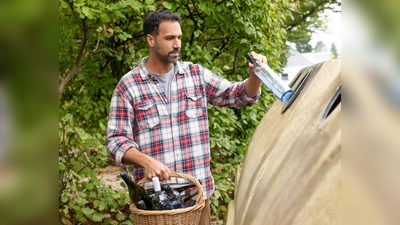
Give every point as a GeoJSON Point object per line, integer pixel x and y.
{"type": "Point", "coordinates": [173, 131]}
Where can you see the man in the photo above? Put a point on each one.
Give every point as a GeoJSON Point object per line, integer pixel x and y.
{"type": "Point", "coordinates": [158, 117]}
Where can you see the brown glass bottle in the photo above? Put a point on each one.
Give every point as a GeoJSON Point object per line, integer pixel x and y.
{"type": "Point", "coordinates": [136, 192]}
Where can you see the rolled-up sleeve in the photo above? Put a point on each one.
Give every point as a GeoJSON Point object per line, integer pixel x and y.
{"type": "Point", "coordinates": [119, 127]}
{"type": "Point", "coordinates": [245, 99]}
{"type": "Point", "coordinates": [222, 92]}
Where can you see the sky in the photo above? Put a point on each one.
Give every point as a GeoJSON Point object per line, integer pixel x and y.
{"type": "Point", "coordinates": [332, 34]}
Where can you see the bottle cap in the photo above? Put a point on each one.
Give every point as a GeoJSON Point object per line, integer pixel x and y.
{"type": "Point", "coordinates": [156, 183]}
{"type": "Point", "coordinates": [251, 59]}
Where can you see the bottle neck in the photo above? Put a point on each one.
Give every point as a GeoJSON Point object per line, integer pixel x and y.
{"type": "Point", "coordinates": [156, 184]}
{"type": "Point", "coordinates": [167, 188]}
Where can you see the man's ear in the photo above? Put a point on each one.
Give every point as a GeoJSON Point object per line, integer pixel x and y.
{"type": "Point", "coordinates": [150, 40]}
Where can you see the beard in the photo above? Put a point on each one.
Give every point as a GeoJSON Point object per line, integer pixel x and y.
{"type": "Point", "coordinates": [166, 58]}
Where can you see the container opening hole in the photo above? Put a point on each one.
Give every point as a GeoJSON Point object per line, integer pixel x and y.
{"type": "Point", "coordinates": [337, 98]}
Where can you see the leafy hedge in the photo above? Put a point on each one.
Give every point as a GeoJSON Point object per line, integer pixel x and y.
{"type": "Point", "coordinates": [100, 40]}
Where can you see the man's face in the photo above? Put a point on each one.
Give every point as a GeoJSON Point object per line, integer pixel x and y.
{"type": "Point", "coordinates": [168, 41]}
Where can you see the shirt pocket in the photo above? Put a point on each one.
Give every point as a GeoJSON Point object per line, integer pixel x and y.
{"type": "Point", "coordinates": [147, 116]}
{"type": "Point", "coordinates": [194, 105]}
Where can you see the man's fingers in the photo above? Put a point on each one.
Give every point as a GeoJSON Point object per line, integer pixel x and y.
{"type": "Point", "coordinates": [149, 175]}
{"type": "Point", "coordinates": [259, 57]}
{"type": "Point", "coordinates": [157, 169]}
{"type": "Point", "coordinates": [165, 176]}
{"type": "Point", "coordinates": [161, 174]}
{"type": "Point", "coordinates": [164, 173]}
{"type": "Point", "coordinates": [264, 59]}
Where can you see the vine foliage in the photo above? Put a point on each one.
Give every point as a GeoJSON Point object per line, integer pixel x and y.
{"type": "Point", "coordinates": [101, 40]}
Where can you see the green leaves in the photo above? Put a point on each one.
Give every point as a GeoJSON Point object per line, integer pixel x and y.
{"type": "Point", "coordinates": [64, 199]}
{"type": "Point", "coordinates": [87, 211]}
{"type": "Point", "coordinates": [300, 29]}
{"type": "Point", "coordinates": [98, 217]}
{"type": "Point", "coordinates": [93, 215]}
{"type": "Point", "coordinates": [61, 163]}
{"type": "Point", "coordinates": [87, 12]}
{"type": "Point", "coordinates": [167, 5]}
{"type": "Point", "coordinates": [104, 18]}
{"type": "Point", "coordinates": [216, 35]}
{"type": "Point", "coordinates": [120, 216]}
{"type": "Point", "coordinates": [249, 28]}
{"type": "Point", "coordinates": [124, 36]}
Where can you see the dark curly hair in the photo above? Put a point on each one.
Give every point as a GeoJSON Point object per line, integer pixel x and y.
{"type": "Point", "coordinates": [153, 20]}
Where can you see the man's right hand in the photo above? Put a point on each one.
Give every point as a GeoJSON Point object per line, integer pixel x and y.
{"type": "Point", "coordinates": [152, 167]}
{"type": "Point", "coordinates": [156, 168]}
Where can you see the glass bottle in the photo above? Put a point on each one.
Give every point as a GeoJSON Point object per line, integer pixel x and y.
{"type": "Point", "coordinates": [136, 193]}
{"type": "Point", "coordinates": [160, 199]}
{"type": "Point", "coordinates": [179, 187]}
{"type": "Point", "coordinates": [174, 197]}
{"type": "Point", "coordinates": [269, 78]}
{"type": "Point", "coordinates": [188, 198]}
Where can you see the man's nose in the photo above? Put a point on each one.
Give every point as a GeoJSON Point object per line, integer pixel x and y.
{"type": "Point", "coordinates": [177, 43]}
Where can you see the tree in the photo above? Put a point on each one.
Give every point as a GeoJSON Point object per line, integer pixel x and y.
{"type": "Point", "coordinates": [303, 46]}
{"type": "Point", "coordinates": [320, 47]}
{"type": "Point", "coordinates": [334, 51]}
{"type": "Point", "coordinates": [100, 40]}
{"type": "Point", "coordinates": [305, 19]}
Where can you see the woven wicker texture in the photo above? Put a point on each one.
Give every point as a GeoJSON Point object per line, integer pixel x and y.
{"type": "Point", "coordinates": [186, 216]}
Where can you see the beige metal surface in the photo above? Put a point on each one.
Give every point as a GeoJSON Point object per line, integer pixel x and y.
{"type": "Point", "coordinates": [291, 172]}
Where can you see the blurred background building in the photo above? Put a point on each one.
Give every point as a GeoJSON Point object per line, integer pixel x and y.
{"type": "Point", "coordinates": [297, 61]}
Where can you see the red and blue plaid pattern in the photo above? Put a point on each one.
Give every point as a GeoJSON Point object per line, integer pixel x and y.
{"type": "Point", "coordinates": [173, 131]}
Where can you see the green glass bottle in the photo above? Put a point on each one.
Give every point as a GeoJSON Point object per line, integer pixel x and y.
{"type": "Point", "coordinates": [136, 192]}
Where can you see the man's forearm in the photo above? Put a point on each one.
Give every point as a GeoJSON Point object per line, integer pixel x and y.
{"type": "Point", "coordinates": [151, 166]}
{"type": "Point", "coordinates": [252, 86]}
{"type": "Point", "coordinates": [134, 156]}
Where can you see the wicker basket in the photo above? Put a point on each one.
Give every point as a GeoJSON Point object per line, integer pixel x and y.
{"type": "Point", "coordinates": [186, 216]}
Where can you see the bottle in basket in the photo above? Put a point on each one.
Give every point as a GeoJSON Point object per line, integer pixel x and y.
{"type": "Point", "coordinates": [188, 198]}
{"type": "Point", "coordinates": [179, 187]}
{"type": "Point", "coordinates": [133, 190]}
{"type": "Point", "coordinates": [160, 199]}
{"type": "Point", "coordinates": [141, 205]}
{"type": "Point", "coordinates": [136, 193]}
{"type": "Point", "coordinates": [174, 197]}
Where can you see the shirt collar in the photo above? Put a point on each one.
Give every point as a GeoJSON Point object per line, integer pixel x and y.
{"type": "Point", "coordinates": [144, 73]}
